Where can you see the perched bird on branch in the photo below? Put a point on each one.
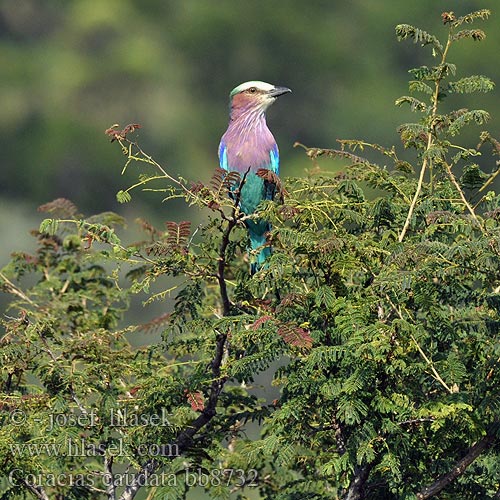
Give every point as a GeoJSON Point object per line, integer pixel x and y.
{"type": "Point", "coordinates": [247, 147]}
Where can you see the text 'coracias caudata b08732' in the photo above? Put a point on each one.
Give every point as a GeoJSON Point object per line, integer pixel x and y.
{"type": "Point", "coordinates": [247, 146]}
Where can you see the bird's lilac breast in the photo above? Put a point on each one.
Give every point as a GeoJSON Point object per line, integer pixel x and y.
{"type": "Point", "coordinates": [248, 149]}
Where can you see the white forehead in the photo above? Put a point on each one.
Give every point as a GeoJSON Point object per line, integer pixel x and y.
{"type": "Point", "coordinates": [265, 87]}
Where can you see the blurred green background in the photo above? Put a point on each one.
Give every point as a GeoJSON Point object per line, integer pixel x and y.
{"type": "Point", "coordinates": [72, 68]}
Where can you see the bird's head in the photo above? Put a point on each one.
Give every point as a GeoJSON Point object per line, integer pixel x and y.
{"type": "Point", "coordinates": [254, 95]}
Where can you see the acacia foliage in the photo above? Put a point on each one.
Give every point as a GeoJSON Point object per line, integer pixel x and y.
{"type": "Point", "coordinates": [380, 301]}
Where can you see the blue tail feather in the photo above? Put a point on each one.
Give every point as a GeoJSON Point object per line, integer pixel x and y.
{"type": "Point", "coordinates": [258, 241]}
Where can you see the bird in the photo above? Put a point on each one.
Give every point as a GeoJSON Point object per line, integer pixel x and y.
{"type": "Point", "coordinates": [248, 146]}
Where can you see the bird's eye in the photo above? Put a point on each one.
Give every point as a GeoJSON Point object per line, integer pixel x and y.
{"type": "Point", "coordinates": [252, 90]}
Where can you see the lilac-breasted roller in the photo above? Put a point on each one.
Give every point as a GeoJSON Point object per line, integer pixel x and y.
{"type": "Point", "coordinates": [247, 146]}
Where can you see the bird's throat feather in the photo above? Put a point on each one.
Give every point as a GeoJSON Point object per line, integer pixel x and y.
{"type": "Point", "coordinates": [249, 142]}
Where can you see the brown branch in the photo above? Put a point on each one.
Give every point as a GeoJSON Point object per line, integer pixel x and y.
{"type": "Point", "coordinates": [110, 480]}
{"type": "Point", "coordinates": [9, 287]}
{"type": "Point", "coordinates": [232, 222]}
{"type": "Point", "coordinates": [415, 421]}
{"type": "Point", "coordinates": [185, 437]}
{"type": "Point", "coordinates": [339, 436]}
{"type": "Point", "coordinates": [460, 467]}
{"type": "Point", "coordinates": [357, 486]}
{"type": "Point", "coordinates": [38, 491]}
{"type": "Point", "coordinates": [221, 268]}
{"type": "Point", "coordinates": [140, 479]}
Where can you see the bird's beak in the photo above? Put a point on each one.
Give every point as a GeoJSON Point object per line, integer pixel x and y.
{"type": "Point", "coordinates": [277, 91]}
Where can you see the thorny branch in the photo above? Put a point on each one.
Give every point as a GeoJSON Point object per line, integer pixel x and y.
{"type": "Point", "coordinates": [184, 438]}
{"type": "Point", "coordinates": [460, 467]}
{"type": "Point", "coordinates": [140, 155]}
{"type": "Point", "coordinates": [357, 486]}
{"type": "Point", "coordinates": [108, 473]}
{"type": "Point", "coordinates": [232, 222]}
{"type": "Point", "coordinates": [37, 490]}
{"type": "Point", "coordinates": [9, 287]}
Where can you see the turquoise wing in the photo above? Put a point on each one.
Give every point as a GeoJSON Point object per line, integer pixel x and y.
{"type": "Point", "coordinates": [223, 156]}
{"type": "Point", "coordinates": [274, 166]}
{"type": "Point", "coordinates": [275, 160]}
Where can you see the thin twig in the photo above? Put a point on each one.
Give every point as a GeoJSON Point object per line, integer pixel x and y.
{"type": "Point", "coordinates": [416, 195]}
{"type": "Point", "coordinates": [431, 366]}
{"type": "Point", "coordinates": [464, 199]}
{"type": "Point", "coordinates": [489, 181]}
{"type": "Point", "coordinates": [110, 480]}
{"type": "Point", "coordinates": [420, 350]}
{"type": "Point", "coordinates": [149, 159]}
{"type": "Point", "coordinates": [14, 290]}
{"type": "Point", "coordinates": [236, 216]}
{"type": "Point", "coordinates": [414, 421]}
{"type": "Point", "coordinates": [37, 490]}
{"type": "Point", "coordinates": [426, 162]}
